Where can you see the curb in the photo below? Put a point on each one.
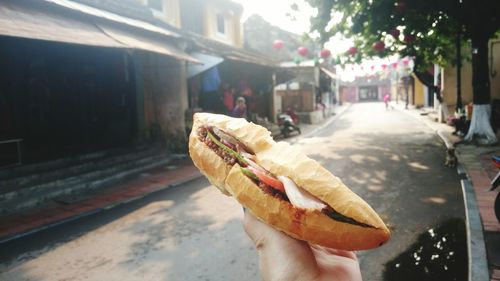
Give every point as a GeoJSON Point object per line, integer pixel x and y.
{"type": "Point", "coordinates": [97, 210]}
{"type": "Point", "coordinates": [478, 264]}
{"type": "Point", "coordinates": [476, 248]}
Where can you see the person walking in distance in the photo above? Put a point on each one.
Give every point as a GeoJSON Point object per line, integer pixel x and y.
{"type": "Point", "coordinates": [387, 98]}
{"type": "Point", "coordinates": [240, 109]}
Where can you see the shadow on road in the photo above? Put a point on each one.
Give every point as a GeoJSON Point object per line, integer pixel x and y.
{"type": "Point", "coordinates": [157, 238]}
{"type": "Point", "coordinates": [403, 178]}
{"type": "Point", "coordinates": [438, 254]}
{"type": "Point", "coordinates": [198, 242]}
{"type": "Point", "coordinates": [386, 167]}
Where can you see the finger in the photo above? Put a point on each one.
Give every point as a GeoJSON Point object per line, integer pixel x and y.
{"type": "Point", "coordinates": [331, 251]}
{"type": "Point", "coordinates": [337, 264]}
{"type": "Point", "coordinates": [280, 256]}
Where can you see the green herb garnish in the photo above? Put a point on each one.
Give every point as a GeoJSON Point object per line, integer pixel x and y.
{"type": "Point", "coordinates": [249, 174]}
{"type": "Point", "coordinates": [227, 149]}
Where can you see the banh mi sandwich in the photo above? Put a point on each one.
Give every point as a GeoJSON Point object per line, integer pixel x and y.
{"type": "Point", "coordinates": [282, 186]}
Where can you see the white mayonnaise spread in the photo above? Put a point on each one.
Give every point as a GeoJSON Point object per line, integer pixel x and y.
{"type": "Point", "coordinates": [299, 197]}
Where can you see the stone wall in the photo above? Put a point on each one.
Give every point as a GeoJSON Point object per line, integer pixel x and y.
{"type": "Point", "coordinates": [165, 100]}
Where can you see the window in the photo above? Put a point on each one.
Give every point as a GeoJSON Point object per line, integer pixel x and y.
{"type": "Point", "coordinates": [221, 24]}
{"type": "Point", "coordinates": [156, 5]}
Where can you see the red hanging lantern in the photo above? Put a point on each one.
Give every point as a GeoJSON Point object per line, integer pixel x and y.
{"type": "Point", "coordinates": [303, 51]}
{"type": "Point", "coordinates": [378, 46]}
{"type": "Point", "coordinates": [352, 51]}
{"type": "Point", "coordinates": [395, 33]}
{"type": "Point", "coordinates": [325, 53]}
{"type": "Point", "coordinates": [406, 62]}
{"type": "Point", "coordinates": [384, 66]}
{"type": "Point", "coordinates": [409, 38]}
{"type": "Point", "coordinates": [278, 44]}
{"type": "Point", "coordinates": [394, 65]}
{"type": "Point", "coordinates": [372, 67]}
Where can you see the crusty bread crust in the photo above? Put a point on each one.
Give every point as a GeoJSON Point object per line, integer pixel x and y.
{"type": "Point", "coordinates": [255, 137]}
{"type": "Point", "coordinates": [282, 159]}
{"type": "Point", "coordinates": [308, 225]}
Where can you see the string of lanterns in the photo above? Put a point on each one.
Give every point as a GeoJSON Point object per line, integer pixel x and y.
{"type": "Point", "coordinates": [378, 46]}
{"type": "Point", "coordinates": [302, 51]}
{"type": "Point", "coordinates": [401, 65]}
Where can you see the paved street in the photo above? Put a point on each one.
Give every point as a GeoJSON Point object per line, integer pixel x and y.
{"type": "Point", "coordinates": [395, 163]}
{"type": "Point", "coordinates": [192, 232]}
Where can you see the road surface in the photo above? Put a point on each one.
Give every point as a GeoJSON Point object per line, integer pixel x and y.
{"type": "Point", "coordinates": [192, 232]}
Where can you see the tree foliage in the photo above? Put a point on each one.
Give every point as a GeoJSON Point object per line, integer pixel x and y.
{"type": "Point", "coordinates": [433, 30]}
{"type": "Point", "coordinates": [431, 26]}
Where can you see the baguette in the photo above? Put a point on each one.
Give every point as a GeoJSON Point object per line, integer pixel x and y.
{"type": "Point", "coordinates": [342, 220]}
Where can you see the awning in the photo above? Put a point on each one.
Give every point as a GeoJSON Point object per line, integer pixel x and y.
{"type": "Point", "coordinates": [207, 60]}
{"type": "Point", "coordinates": [283, 75]}
{"type": "Point", "coordinates": [301, 75]}
{"type": "Point", "coordinates": [136, 41]}
{"type": "Point", "coordinates": [229, 52]}
{"type": "Point", "coordinates": [91, 11]}
{"type": "Point", "coordinates": [329, 73]}
{"type": "Point", "coordinates": [23, 21]}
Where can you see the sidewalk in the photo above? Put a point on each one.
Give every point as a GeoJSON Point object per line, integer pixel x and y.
{"type": "Point", "coordinates": [135, 188]}
{"type": "Point", "coordinates": [19, 225]}
{"type": "Point", "coordinates": [476, 168]}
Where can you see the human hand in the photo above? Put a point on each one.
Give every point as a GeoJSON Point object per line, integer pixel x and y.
{"type": "Point", "coordinates": [282, 257]}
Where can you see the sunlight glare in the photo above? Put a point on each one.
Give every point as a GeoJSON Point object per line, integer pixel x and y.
{"type": "Point", "coordinates": [275, 12]}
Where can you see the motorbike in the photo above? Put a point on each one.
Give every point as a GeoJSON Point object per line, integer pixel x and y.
{"type": "Point", "coordinates": [287, 125]}
{"type": "Point", "coordinates": [494, 184]}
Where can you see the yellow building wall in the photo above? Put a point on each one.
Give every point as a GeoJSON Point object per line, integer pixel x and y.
{"type": "Point", "coordinates": [238, 30]}
{"type": "Point", "coordinates": [233, 24]}
{"type": "Point", "coordinates": [495, 81]}
{"type": "Point", "coordinates": [450, 79]}
{"type": "Point", "coordinates": [171, 13]}
{"type": "Point", "coordinates": [450, 85]}
{"type": "Point", "coordinates": [419, 92]}
{"type": "Point", "coordinates": [234, 34]}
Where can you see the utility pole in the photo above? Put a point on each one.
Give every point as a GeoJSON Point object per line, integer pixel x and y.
{"type": "Point", "coordinates": [459, 72]}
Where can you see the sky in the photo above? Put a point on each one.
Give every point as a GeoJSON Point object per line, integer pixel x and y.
{"type": "Point", "coordinates": [275, 12]}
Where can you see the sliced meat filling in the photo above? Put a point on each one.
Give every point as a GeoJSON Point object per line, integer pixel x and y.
{"type": "Point", "coordinates": [270, 190]}
{"type": "Point", "coordinates": [228, 158]}
{"type": "Point", "coordinates": [233, 151]}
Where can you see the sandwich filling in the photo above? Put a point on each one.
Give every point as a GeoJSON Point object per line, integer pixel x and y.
{"type": "Point", "coordinates": [233, 151]}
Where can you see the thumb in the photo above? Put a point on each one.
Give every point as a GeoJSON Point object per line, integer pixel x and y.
{"type": "Point", "coordinates": [281, 257]}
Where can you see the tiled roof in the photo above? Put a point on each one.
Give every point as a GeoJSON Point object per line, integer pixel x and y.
{"type": "Point", "coordinates": [127, 8]}
{"type": "Point", "coordinates": [89, 10]}
{"type": "Point", "coordinates": [135, 10]}
{"type": "Point", "coordinates": [229, 52]}
{"type": "Point", "coordinates": [197, 42]}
